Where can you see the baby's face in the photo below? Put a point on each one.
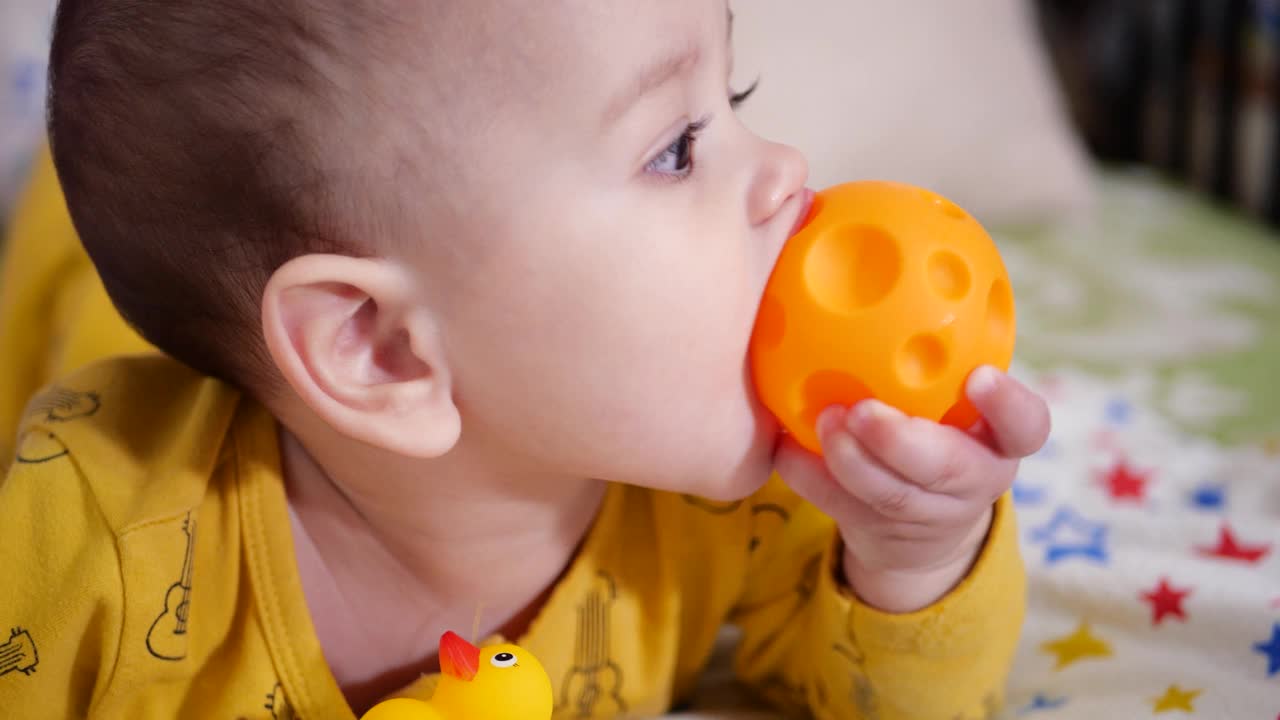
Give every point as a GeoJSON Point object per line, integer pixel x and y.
{"type": "Point", "coordinates": [600, 238]}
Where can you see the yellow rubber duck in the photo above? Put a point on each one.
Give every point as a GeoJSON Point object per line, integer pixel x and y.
{"type": "Point", "coordinates": [503, 682]}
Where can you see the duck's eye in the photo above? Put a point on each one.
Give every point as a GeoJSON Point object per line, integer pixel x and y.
{"type": "Point", "coordinates": [503, 660]}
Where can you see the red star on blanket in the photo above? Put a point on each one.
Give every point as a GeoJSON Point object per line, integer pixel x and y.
{"type": "Point", "coordinates": [1229, 548]}
{"type": "Point", "coordinates": [1166, 600]}
{"type": "Point", "coordinates": [1126, 484]}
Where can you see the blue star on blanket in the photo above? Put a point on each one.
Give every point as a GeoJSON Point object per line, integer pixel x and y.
{"type": "Point", "coordinates": [1042, 702]}
{"type": "Point", "coordinates": [1069, 534]}
{"type": "Point", "coordinates": [1118, 411]}
{"type": "Point", "coordinates": [1271, 649]}
{"type": "Point", "coordinates": [1209, 496]}
{"type": "Point", "coordinates": [1027, 494]}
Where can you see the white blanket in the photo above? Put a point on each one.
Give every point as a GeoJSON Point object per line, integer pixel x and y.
{"type": "Point", "coordinates": [1154, 567]}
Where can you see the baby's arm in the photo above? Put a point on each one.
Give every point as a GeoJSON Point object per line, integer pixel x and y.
{"type": "Point", "coordinates": [808, 643]}
{"type": "Point", "coordinates": [61, 597]}
{"type": "Point", "coordinates": [915, 613]}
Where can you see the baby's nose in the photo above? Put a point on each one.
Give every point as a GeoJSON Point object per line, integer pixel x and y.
{"type": "Point", "coordinates": [783, 173]}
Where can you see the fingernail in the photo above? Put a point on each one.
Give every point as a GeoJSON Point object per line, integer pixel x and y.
{"type": "Point", "coordinates": [829, 419]}
{"type": "Point", "coordinates": [869, 411]}
{"type": "Point", "coordinates": [982, 381]}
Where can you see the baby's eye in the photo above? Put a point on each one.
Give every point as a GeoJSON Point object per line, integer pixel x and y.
{"type": "Point", "coordinates": [677, 159]}
{"type": "Point", "coordinates": [503, 660]}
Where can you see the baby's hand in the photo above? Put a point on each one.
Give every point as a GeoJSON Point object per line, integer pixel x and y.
{"type": "Point", "coordinates": [912, 498]}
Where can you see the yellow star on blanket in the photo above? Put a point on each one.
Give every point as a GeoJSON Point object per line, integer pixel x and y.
{"type": "Point", "coordinates": [1175, 698]}
{"type": "Point", "coordinates": [1271, 446]}
{"type": "Point", "coordinates": [1079, 645]}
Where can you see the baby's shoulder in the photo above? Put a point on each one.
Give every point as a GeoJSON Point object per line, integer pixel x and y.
{"type": "Point", "coordinates": [144, 433]}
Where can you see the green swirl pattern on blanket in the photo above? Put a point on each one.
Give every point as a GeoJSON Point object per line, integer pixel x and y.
{"type": "Point", "coordinates": [1159, 288]}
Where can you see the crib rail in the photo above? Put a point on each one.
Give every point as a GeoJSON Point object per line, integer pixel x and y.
{"type": "Point", "coordinates": [1185, 86]}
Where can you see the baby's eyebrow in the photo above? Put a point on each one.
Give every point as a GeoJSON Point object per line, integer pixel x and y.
{"type": "Point", "coordinates": [651, 78]}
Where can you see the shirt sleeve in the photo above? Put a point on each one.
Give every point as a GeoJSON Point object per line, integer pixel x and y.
{"type": "Point", "coordinates": [809, 644]}
{"type": "Point", "coordinates": [61, 598]}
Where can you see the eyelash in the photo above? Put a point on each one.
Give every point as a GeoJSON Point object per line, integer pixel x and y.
{"type": "Point", "coordinates": [736, 99]}
{"type": "Point", "coordinates": [682, 148]}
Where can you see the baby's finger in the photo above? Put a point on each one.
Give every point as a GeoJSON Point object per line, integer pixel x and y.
{"type": "Point", "coordinates": [1017, 417]}
{"type": "Point", "coordinates": [938, 459]}
{"type": "Point", "coordinates": [876, 485]}
{"type": "Point", "coordinates": [807, 475]}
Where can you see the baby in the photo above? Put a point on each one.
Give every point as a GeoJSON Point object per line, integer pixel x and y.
{"type": "Point", "coordinates": [455, 299]}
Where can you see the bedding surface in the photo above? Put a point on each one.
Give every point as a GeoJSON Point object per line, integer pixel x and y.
{"type": "Point", "coordinates": [1151, 522]}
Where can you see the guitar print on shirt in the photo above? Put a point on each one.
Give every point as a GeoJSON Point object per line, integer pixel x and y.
{"type": "Point", "coordinates": [278, 704]}
{"type": "Point", "coordinates": [167, 638]}
{"type": "Point", "coordinates": [593, 685]}
{"type": "Point", "coordinates": [18, 654]}
{"type": "Point", "coordinates": [60, 405]}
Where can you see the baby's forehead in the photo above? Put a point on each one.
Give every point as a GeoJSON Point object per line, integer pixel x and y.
{"type": "Point", "coordinates": [484, 55]}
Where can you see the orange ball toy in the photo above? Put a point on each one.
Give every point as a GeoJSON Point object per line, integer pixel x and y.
{"type": "Point", "coordinates": [887, 291]}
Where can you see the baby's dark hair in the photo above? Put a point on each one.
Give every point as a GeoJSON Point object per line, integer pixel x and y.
{"type": "Point", "coordinates": [188, 138]}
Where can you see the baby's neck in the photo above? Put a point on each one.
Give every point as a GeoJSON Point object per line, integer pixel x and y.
{"type": "Point", "coordinates": [390, 559]}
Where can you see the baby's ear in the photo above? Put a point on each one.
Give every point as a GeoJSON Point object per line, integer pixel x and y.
{"type": "Point", "coordinates": [351, 339]}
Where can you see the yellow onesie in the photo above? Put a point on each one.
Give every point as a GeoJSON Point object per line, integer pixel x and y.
{"type": "Point", "coordinates": [149, 573]}
{"type": "Point", "coordinates": [55, 315]}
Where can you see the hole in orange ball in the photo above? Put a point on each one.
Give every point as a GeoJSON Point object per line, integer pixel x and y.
{"type": "Point", "coordinates": [853, 267]}
{"type": "Point", "coordinates": [771, 323]}
{"type": "Point", "coordinates": [826, 388]}
{"type": "Point", "coordinates": [962, 415]}
{"type": "Point", "coordinates": [922, 360]}
{"type": "Point", "coordinates": [949, 275]}
{"type": "Point", "coordinates": [1000, 311]}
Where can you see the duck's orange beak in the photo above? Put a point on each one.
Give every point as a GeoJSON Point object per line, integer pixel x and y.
{"type": "Point", "coordinates": [458, 658]}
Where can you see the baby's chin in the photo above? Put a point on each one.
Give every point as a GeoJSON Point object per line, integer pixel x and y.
{"type": "Point", "coordinates": [730, 457]}
{"type": "Point", "coordinates": [738, 487]}
{"type": "Point", "coordinates": [744, 475]}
